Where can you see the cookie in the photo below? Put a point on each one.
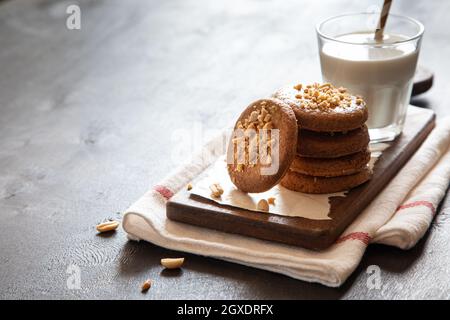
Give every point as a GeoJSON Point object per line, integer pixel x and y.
{"type": "Point", "coordinates": [309, 184]}
{"type": "Point", "coordinates": [327, 145]}
{"type": "Point", "coordinates": [324, 108]}
{"type": "Point", "coordinates": [322, 167]}
{"type": "Point", "coordinates": [257, 165]}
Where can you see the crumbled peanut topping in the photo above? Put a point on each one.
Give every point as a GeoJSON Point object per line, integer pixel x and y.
{"type": "Point", "coordinates": [259, 119]}
{"type": "Point", "coordinates": [324, 96]}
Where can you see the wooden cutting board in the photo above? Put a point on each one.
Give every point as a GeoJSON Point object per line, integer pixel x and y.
{"type": "Point", "coordinates": [311, 234]}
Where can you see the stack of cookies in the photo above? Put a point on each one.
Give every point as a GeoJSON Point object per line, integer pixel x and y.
{"type": "Point", "coordinates": [332, 148]}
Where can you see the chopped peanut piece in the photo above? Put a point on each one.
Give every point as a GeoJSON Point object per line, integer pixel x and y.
{"type": "Point", "coordinates": [146, 285]}
{"type": "Point", "coordinates": [216, 190]}
{"type": "Point", "coordinates": [263, 205]}
{"type": "Point", "coordinates": [172, 263]}
{"type": "Point", "coordinates": [107, 226]}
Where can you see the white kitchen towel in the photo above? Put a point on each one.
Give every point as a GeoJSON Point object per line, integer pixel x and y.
{"type": "Point", "coordinates": [398, 216]}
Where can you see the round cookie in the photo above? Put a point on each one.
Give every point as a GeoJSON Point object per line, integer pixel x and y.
{"type": "Point", "coordinates": [262, 175]}
{"type": "Point", "coordinates": [332, 145]}
{"type": "Point", "coordinates": [324, 108]}
{"type": "Point", "coordinates": [321, 167]}
{"type": "Point", "coordinates": [309, 184]}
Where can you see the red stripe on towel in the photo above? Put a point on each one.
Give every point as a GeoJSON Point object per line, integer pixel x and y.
{"type": "Point", "coordinates": [419, 203]}
{"type": "Point", "coordinates": [165, 192]}
{"type": "Point", "coordinates": [361, 236]}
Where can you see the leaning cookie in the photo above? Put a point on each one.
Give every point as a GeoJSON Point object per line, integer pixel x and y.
{"type": "Point", "coordinates": [310, 184]}
{"type": "Point", "coordinates": [321, 167]}
{"type": "Point", "coordinates": [257, 162]}
{"type": "Point", "coordinates": [327, 145]}
{"type": "Point", "coordinates": [324, 108]}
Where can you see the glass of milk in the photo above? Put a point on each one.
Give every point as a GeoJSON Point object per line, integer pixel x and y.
{"type": "Point", "coordinates": [380, 71]}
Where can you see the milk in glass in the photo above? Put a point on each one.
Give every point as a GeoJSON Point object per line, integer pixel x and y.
{"type": "Point", "coordinates": [381, 73]}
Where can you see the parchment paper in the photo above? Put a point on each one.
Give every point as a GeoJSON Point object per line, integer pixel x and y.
{"type": "Point", "coordinates": [287, 202]}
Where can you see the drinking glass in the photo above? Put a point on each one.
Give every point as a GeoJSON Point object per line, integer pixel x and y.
{"type": "Point", "coordinates": [380, 71]}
